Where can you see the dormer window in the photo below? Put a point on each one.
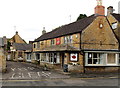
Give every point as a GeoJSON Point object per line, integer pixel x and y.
{"type": "Point", "coordinates": [114, 25]}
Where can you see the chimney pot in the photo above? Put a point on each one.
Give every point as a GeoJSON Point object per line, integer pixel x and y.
{"type": "Point", "coordinates": [110, 10]}
{"type": "Point", "coordinates": [99, 9]}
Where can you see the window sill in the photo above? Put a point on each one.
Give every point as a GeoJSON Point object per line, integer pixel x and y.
{"type": "Point", "coordinates": [95, 65]}
{"type": "Point", "coordinates": [101, 65]}
{"type": "Point", "coordinates": [111, 64]}
{"type": "Point", "coordinates": [49, 62]}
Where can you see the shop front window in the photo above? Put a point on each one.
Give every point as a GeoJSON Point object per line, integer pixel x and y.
{"type": "Point", "coordinates": [95, 58]}
{"type": "Point", "coordinates": [37, 56]}
{"type": "Point", "coordinates": [111, 59]}
{"type": "Point", "coordinates": [53, 58]}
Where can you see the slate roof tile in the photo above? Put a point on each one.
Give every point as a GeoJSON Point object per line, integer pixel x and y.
{"type": "Point", "coordinates": [117, 16]}
{"type": "Point", "coordinates": [71, 28]}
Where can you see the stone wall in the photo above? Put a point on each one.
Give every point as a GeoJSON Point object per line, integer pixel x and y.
{"type": "Point", "coordinates": [98, 69]}
{"type": "Point", "coordinates": [94, 37]}
{"type": "Point", "coordinates": [2, 61]}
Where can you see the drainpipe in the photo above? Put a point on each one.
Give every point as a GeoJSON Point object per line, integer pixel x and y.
{"type": "Point", "coordinates": [82, 52]}
{"type": "Point", "coordinates": [80, 40]}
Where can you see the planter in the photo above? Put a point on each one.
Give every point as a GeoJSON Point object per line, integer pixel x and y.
{"type": "Point", "coordinates": [75, 68]}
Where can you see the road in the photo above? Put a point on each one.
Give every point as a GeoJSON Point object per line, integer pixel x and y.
{"type": "Point", "coordinates": [24, 74]}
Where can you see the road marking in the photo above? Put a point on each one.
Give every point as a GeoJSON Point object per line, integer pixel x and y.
{"type": "Point", "coordinates": [25, 69]}
{"type": "Point", "coordinates": [29, 74]}
{"type": "Point", "coordinates": [38, 74]}
{"type": "Point", "coordinates": [19, 69]}
{"type": "Point", "coordinates": [31, 68]}
{"type": "Point", "coordinates": [22, 80]}
{"type": "Point", "coordinates": [13, 75]}
{"type": "Point", "coordinates": [23, 76]}
{"type": "Point", "coordinates": [45, 74]}
{"type": "Point", "coordinates": [13, 69]}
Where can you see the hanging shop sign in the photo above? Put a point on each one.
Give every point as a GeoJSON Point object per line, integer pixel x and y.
{"type": "Point", "coordinates": [74, 57]}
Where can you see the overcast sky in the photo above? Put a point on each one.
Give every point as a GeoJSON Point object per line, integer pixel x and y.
{"type": "Point", "coordinates": [30, 16]}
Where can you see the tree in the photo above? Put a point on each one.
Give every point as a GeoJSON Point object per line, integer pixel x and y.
{"type": "Point", "coordinates": [81, 16]}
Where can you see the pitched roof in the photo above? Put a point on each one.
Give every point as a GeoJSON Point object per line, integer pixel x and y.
{"type": "Point", "coordinates": [22, 46]}
{"type": "Point", "coordinates": [117, 16]}
{"type": "Point", "coordinates": [71, 28]}
{"type": "Point", "coordinates": [17, 39]}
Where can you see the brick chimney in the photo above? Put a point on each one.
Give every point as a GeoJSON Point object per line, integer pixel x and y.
{"type": "Point", "coordinates": [44, 31]}
{"type": "Point", "coordinates": [99, 9]}
{"type": "Point", "coordinates": [16, 32]}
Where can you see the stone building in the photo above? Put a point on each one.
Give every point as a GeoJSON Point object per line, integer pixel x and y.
{"type": "Point", "coordinates": [19, 49]}
{"type": "Point", "coordinates": [87, 45]}
{"type": "Point", "coordinates": [114, 20]}
{"type": "Point", "coordinates": [3, 44]}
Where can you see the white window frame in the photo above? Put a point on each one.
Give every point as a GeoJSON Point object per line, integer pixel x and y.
{"type": "Point", "coordinates": [108, 64]}
{"type": "Point", "coordinates": [28, 56]}
{"type": "Point", "coordinates": [114, 25]}
{"type": "Point", "coordinates": [86, 59]}
{"type": "Point", "coordinates": [52, 42]}
{"type": "Point", "coordinates": [43, 55]}
{"type": "Point", "coordinates": [49, 58]}
{"type": "Point", "coordinates": [68, 39]}
{"type": "Point", "coordinates": [118, 59]}
{"type": "Point", "coordinates": [58, 57]}
{"type": "Point", "coordinates": [65, 40]}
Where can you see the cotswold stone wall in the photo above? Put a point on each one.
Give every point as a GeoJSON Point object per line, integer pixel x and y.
{"type": "Point", "coordinates": [99, 38]}
{"type": "Point", "coordinates": [100, 69]}
{"type": "Point", "coordinates": [2, 61]}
